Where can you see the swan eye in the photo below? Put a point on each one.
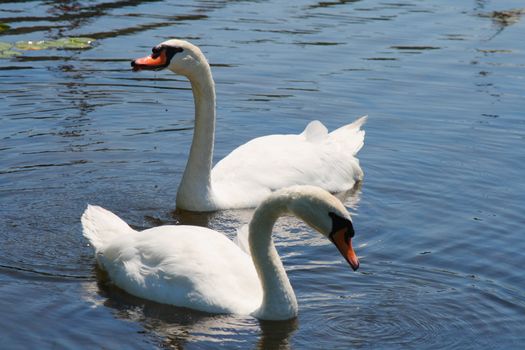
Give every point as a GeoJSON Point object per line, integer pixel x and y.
{"type": "Point", "coordinates": [172, 50]}
{"type": "Point", "coordinates": [156, 51]}
{"type": "Point", "coordinates": [340, 223]}
{"type": "Point", "coordinates": [169, 50]}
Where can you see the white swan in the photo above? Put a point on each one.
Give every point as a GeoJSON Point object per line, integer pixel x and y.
{"type": "Point", "coordinates": [252, 171]}
{"type": "Point", "coordinates": [202, 269]}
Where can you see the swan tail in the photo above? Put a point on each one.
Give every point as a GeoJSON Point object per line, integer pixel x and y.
{"type": "Point", "coordinates": [352, 134]}
{"type": "Point", "coordinates": [100, 226]}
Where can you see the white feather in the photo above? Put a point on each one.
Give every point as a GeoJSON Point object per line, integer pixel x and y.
{"type": "Point", "coordinates": [254, 170]}
{"type": "Point", "coordinates": [199, 268]}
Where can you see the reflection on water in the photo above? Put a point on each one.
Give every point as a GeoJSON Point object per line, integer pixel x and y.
{"type": "Point", "coordinates": [438, 217]}
{"type": "Point", "coordinates": [177, 327]}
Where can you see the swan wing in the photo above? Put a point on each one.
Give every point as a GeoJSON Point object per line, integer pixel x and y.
{"type": "Point", "coordinates": [187, 266]}
{"type": "Point", "coordinates": [314, 157]}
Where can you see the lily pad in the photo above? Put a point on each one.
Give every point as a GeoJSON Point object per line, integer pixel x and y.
{"type": "Point", "coordinates": [71, 43]}
{"type": "Point", "coordinates": [63, 43]}
{"type": "Point", "coordinates": [31, 45]}
{"type": "Point", "coordinates": [6, 52]}
{"type": "Point", "coordinates": [9, 53]}
{"type": "Point", "coordinates": [3, 27]}
{"type": "Point", "coordinates": [5, 46]}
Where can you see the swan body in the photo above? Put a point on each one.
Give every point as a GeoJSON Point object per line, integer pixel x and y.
{"type": "Point", "coordinates": [202, 269]}
{"type": "Point", "coordinates": [252, 171]}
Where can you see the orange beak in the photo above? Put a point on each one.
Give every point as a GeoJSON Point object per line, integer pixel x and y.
{"type": "Point", "coordinates": [151, 62]}
{"type": "Point", "coordinates": [345, 248]}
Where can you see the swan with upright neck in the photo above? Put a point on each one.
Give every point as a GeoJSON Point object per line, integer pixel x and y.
{"type": "Point", "coordinates": [252, 171]}
{"type": "Point", "coordinates": [202, 269]}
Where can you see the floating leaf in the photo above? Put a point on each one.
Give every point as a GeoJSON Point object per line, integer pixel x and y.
{"type": "Point", "coordinates": [71, 43]}
{"type": "Point", "coordinates": [5, 46]}
{"type": "Point", "coordinates": [505, 18]}
{"type": "Point", "coordinates": [6, 52]}
{"type": "Point", "coordinates": [3, 27]}
{"type": "Point", "coordinates": [63, 43]}
{"type": "Point", "coordinates": [31, 45]}
{"type": "Point", "coordinates": [9, 53]}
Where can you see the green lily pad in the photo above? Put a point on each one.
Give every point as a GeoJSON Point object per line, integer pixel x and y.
{"type": "Point", "coordinates": [3, 27]}
{"type": "Point", "coordinates": [63, 43]}
{"type": "Point", "coordinates": [9, 53]}
{"type": "Point", "coordinates": [6, 52]}
{"type": "Point", "coordinates": [71, 43]}
{"type": "Point", "coordinates": [31, 45]}
{"type": "Point", "coordinates": [5, 46]}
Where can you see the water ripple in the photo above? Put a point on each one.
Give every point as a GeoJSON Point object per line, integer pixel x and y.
{"type": "Point", "coordinates": [438, 218]}
{"type": "Point", "coordinates": [409, 306]}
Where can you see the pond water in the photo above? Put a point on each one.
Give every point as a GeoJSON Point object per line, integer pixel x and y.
{"type": "Point", "coordinates": [439, 216]}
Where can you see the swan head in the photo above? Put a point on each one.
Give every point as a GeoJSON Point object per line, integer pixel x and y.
{"type": "Point", "coordinates": [325, 213]}
{"type": "Point", "coordinates": [179, 56]}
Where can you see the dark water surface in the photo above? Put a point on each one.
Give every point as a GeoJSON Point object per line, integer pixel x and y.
{"type": "Point", "coordinates": [439, 218]}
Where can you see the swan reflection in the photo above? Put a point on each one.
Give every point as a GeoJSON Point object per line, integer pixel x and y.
{"type": "Point", "coordinates": [175, 327]}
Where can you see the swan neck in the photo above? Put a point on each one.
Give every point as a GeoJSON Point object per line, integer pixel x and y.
{"type": "Point", "coordinates": [279, 301]}
{"type": "Point", "coordinates": [196, 180]}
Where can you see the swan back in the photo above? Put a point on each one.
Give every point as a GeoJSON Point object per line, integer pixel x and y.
{"type": "Point", "coordinates": [250, 173]}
